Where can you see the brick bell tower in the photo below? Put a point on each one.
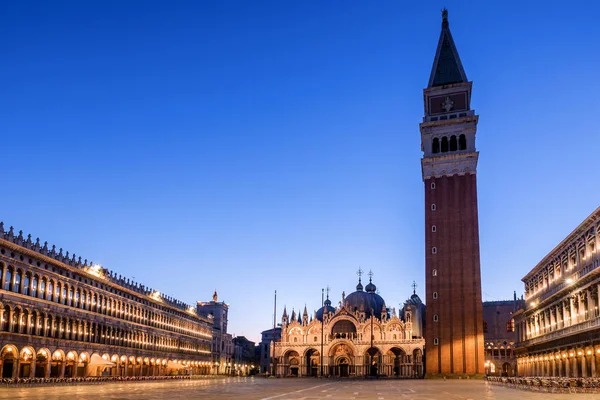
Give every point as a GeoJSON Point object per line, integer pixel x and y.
{"type": "Point", "coordinates": [454, 320]}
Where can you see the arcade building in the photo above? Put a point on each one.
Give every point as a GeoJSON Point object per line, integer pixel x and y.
{"type": "Point", "coordinates": [362, 337]}
{"type": "Point", "coordinates": [64, 317]}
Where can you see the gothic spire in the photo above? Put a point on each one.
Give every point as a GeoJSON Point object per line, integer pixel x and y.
{"type": "Point", "coordinates": [447, 67]}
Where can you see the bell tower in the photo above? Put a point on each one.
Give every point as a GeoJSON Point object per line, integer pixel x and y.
{"type": "Point", "coordinates": [454, 317]}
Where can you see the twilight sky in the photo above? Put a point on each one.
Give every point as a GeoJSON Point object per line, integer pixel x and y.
{"type": "Point", "coordinates": [248, 146]}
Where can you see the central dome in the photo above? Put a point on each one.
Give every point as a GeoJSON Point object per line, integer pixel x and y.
{"type": "Point", "coordinates": [368, 302]}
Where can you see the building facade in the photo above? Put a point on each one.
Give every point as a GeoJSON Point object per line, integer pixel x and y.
{"type": "Point", "coordinates": [244, 355]}
{"type": "Point", "coordinates": [500, 336]}
{"type": "Point", "coordinates": [559, 328]}
{"type": "Point", "coordinates": [64, 317]}
{"type": "Point", "coordinates": [223, 348]}
{"type": "Point", "coordinates": [266, 352]}
{"type": "Point", "coordinates": [360, 338]}
{"type": "Point", "coordinates": [454, 327]}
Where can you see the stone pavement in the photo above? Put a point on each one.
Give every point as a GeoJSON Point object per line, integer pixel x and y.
{"type": "Point", "coordinates": [286, 389]}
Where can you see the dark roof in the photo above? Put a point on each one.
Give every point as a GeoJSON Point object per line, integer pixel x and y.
{"type": "Point", "coordinates": [447, 67]}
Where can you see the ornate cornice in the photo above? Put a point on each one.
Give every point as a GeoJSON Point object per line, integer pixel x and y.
{"type": "Point", "coordinates": [449, 165]}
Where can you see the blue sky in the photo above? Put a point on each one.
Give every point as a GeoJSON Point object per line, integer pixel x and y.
{"type": "Point", "coordinates": [248, 146]}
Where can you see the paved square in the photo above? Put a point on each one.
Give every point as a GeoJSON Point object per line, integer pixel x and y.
{"type": "Point", "coordinates": [286, 389]}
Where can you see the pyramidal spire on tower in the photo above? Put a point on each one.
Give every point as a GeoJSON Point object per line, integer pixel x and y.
{"type": "Point", "coordinates": [447, 67]}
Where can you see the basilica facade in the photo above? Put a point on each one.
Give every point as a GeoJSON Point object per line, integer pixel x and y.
{"type": "Point", "coordinates": [361, 337]}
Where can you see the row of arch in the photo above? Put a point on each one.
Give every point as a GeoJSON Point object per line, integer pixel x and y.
{"type": "Point", "coordinates": [31, 321]}
{"type": "Point", "coordinates": [343, 361]}
{"type": "Point", "coordinates": [575, 362]}
{"type": "Point", "coordinates": [29, 362]}
{"type": "Point", "coordinates": [29, 283]}
{"type": "Point", "coordinates": [446, 144]}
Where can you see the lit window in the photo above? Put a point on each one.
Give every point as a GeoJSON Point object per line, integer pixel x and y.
{"type": "Point", "coordinates": [434, 272]}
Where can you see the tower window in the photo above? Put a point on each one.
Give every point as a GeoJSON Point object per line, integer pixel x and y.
{"type": "Point", "coordinates": [433, 228]}
{"type": "Point", "coordinates": [453, 143]}
{"type": "Point", "coordinates": [434, 272]}
{"type": "Point", "coordinates": [434, 250]}
{"type": "Point", "coordinates": [436, 341]}
{"type": "Point", "coordinates": [433, 185]}
{"type": "Point", "coordinates": [435, 146]}
{"type": "Point", "coordinates": [435, 318]}
{"type": "Point", "coordinates": [462, 142]}
{"type": "Point", "coordinates": [435, 295]}
{"type": "Point", "coordinates": [444, 144]}
{"type": "Point", "coordinates": [433, 207]}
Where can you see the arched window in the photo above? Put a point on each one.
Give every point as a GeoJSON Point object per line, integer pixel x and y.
{"type": "Point", "coordinates": [50, 295]}
{"type": "Point", "coordinates": [8, 279]}
{"type": "Point", "coordinates": [42, 293]}
{"type": "Point", "coordinates": [26, 283]}
{"type": "Point", "coordinates": [435, 146]}
{"type": "Point", "coordinates": [444, 144]}
{"type": "Point", "coordinates": [453, 144]}
{"type": "Point", "coordinates": [434, 272]}
{"type": "Point", "coordinates": [433, 228]}
{"type": "Point", "coordinates": [17, 286]}
{"type": "Point", "coordinates": [343, 326]}
{"type": "Point", "coordinates": [462, 142]}
{"type": "Point", "coordinates": [34, 286]}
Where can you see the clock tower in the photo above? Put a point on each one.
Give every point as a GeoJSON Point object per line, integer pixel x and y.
{"type": "Point", "coordinates": [454, 318]}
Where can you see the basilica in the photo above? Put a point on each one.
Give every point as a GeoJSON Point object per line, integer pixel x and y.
{"type": "Point", "coordinates": [361, 337]}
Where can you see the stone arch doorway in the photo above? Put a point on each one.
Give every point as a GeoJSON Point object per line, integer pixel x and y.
{"type": "Point", "coordinates": [26, 362]}
{"type": "Point", "coordinates": [373, 361]}
{"type": "Point", "coordinates": [507, 369]}
{"type": "Point", "coordinates": [57, 364]}
{"type": "Point", "coordinates": [8, 356]}
{"type": "Point", "coordinates": [341, 359]}
{"type": "Point", "coordinates": [343, 367]}
{"type": "Point", "coordinates": [291, 363]}
{"type": "Point", "coordinates": [41, 363]}
{"type": "Point", "coordinates": [398, 360]}
{"type": "Point", "coordinates": [312, 362]}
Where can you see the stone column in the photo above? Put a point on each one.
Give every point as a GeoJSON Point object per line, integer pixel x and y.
{"type": "Point", "coordinates": [572, 312]}
{"type": "Point", "coordinates": [32, 368]}
{"type": "Point", "coordinates": [583, 365]}
{"type": "Point", "coordinates": [16, 365]}
{"type": "Point", "coordinates": [10, 320]}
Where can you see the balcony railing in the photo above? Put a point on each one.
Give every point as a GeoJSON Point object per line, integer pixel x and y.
{"type": "Point", "coordinates": [569, 330]}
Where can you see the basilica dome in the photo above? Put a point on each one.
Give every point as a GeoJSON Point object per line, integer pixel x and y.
{"type": "Point", "coordinates": [327, 307]}
{"type": "Point", "coordinates": [362, 301]}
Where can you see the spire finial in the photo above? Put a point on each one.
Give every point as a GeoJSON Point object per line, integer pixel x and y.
{"type": "Point", "coordinates": [359, 273]}
{"type": "Point", "coordinates": [327, 292]}
{"type": "Point", "coordinates": [445, 18]}
{"type": "Point", "coordinates": [414, 286]}
{"type": "Point", "coordinates": [370, 276]}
